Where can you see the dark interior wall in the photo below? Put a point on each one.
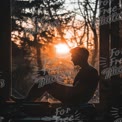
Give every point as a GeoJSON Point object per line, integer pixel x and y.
{"type": "Point", "coordinates": [104, 51]}
{"type": "Point", "coordinates": [110, 38]}
{"type": "Point", "coordinates": [5, 48]}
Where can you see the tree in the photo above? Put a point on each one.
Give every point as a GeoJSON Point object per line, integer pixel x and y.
{"type": "Point", "coordinates": [88, 22]}
{"type": "Point", "coordinates": [43, 16]}
{"type": "Point", "coordinates": [33, 27]}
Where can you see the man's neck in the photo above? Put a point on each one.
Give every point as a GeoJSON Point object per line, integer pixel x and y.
{"type": "Point", "coordinates": [85, 65]}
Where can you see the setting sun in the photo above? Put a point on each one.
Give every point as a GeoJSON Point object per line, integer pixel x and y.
{"type": "Point", "coordinates": [62, 49]}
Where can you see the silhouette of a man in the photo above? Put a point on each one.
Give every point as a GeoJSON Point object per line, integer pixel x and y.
{"type": "Point", "coordinates": [83, 88]}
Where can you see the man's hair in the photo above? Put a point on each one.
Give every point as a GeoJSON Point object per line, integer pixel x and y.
{"type": "Point", "coordinates": [80, 51]}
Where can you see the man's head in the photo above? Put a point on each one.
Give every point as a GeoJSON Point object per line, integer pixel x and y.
{"type": "Point", "coordinates": [79, 56]}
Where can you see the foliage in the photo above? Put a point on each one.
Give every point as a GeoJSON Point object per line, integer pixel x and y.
{"type": "Point", "coordinates": [37, 24]}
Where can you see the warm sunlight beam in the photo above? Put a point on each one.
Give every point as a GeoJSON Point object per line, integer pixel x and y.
{"type": "Point", "coordinates": [62, 49]}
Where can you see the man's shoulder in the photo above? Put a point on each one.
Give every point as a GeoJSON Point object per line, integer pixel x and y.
{"type": "Point", "coordinates": [91, 68]}
{"type": "Point", "coordinates": [94, 73]}
{"type": "Point", "coordinates": [88, 69]}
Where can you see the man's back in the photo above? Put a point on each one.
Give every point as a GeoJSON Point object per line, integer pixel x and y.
{"type": "Point", "coordinates": [85, 84]}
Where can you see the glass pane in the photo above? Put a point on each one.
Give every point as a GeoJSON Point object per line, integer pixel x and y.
{"type": "Point", "coordinates": [42, 35]}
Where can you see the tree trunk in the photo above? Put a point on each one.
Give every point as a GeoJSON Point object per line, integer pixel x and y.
{"type": "Point", "coordinates": [95, 51]}
{"type": "Point", "coordinates": [38, 52]}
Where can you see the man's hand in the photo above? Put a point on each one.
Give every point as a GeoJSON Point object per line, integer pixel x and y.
{"type": "Point", "coordinates": [42, 72]}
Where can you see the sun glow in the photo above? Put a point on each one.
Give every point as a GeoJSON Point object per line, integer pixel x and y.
{"type": "Point", "coordinates": [62, 49]}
